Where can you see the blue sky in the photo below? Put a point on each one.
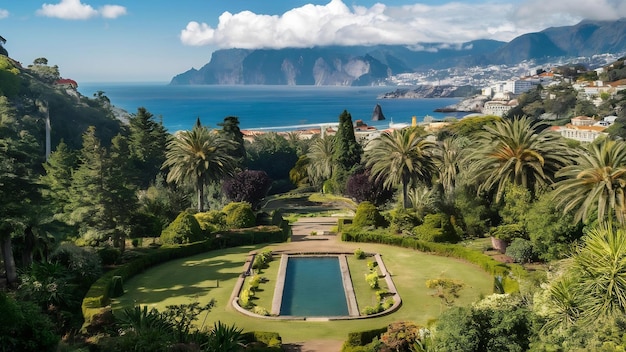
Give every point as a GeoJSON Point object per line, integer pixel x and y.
{"type": "Point", "coordinates": [142, 41]}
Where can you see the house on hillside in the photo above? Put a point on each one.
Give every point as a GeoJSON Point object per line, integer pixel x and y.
{"type": "Point", "coordinates": [583, 129]}
{"type": "Point", "coordinates": [66, 83]}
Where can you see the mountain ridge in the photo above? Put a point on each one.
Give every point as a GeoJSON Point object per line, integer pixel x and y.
{"type": "Point", "coordinates": [373, 65]}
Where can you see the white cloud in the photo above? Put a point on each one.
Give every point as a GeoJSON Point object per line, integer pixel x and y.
{"type": "Point", "coordinates": [112, 11]}
{"type": "Point", "coordinates": [337, 24]}
{"type": "Point", "coordinates": [75, 10]}
{"type": "Point", "coordinates": [4, 13]}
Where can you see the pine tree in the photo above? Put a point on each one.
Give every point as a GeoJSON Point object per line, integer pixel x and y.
{"type": "Point", "coordinates": [147, 141]}
{"type": "Point", "coordinates": [19, 191]}
{"type": "Point", "coordinates": [86, 208]}
{"type": "Point", "coordinates": [57, 178]}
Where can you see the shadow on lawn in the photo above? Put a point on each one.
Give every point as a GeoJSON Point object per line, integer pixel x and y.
{"type": "Point", "coordinates": [188, 277]}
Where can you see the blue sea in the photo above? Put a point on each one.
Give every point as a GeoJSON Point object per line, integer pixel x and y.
{"type": "Point", "coordinates": [264, 107]}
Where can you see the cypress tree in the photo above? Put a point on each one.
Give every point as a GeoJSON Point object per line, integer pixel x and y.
{"type": "Point", "coordinates": [230, 130]}
{"type": "Point", "coordinates": [347, 150]}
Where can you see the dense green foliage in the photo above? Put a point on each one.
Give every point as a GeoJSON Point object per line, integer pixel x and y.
{"type": "Point", "coordinates": [436, 228]}
{"type": "Point", "coordinates": [199, 157]}
{"type": "Point", "coordinates": [239, 215]}
{"type": "Point", "coordinates": [486, 326]}
{"type": "Point", "coordinates": [403, 157]}
{"type": "Point", "coordinates": [184, 229]}
{"type": "Point", "coordinates": [23, 327]}
{"type": "Point", "coordinates": [368, 215]}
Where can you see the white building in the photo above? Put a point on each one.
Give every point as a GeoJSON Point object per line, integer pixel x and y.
{"type": "Point", "coordinates": [582, 128]}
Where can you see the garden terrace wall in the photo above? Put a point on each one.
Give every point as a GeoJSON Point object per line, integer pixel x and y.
{"type": "Point", "coordinates": [487, 263]}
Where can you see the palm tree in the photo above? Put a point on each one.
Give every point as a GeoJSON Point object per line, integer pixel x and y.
{"type": "Point", "coordinates": [597, 182]}
{"type": "Point", "coordinates": [402, 157]}
{"type": "Point", "coordinates": [600, 268]}
{"type": "Point", "coordinates": [199, 157]}
{"type": "Point", "coordinates": [451, 154]}
{"type": "Point", "coordinates": [320, 155]}
{"type": "Point", "coordinates": [513, 151]}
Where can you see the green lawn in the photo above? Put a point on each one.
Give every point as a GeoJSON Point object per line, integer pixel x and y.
{"type": "Point", "coordinates": [195, 279]}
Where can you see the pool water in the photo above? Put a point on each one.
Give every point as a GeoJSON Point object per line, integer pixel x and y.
{"type": "Point", "coordinates": [313, 287]}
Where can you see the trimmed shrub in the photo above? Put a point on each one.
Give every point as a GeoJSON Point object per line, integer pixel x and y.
{"type": "Point", "coordinates": [372, 279]}
{"type": "Point", "coordinates": [369, 310]}
{"type": "Point", "coordinates": [436, 228]}
{"type": "Point", "coordinates": [368, 215]}
{"type": "Point", "coordinates": [239, 215]}
{"type": "Point", "coordinates": [117, 287]}
{"type": "Point", "coordinates": [261, 260]}
{"type": "Point", "coordinates": [362, 338]}
{"type": "Point", "coordinates": [359, 253]}
{"type": "Point", "coordinates": [253, 235]}
{"type": "Point", "coordinates": [109, 255]}
{"type": "Point", "coordinates": [342, 223]}
{"type": "Point", "coordinates": [269, 341]}
{"type": "Point", "coordinates": [260, 311]}
{"type": "Point", "coordinates": [401, 220]}
{"type": "Point", "coordinates": [244, 298]}
{"type": "Point", "coordinates": [184, 229]}
{"type": "Point", "coordinates": [521, 250]}
{"type": "Point", "coordinates": [211, 221]}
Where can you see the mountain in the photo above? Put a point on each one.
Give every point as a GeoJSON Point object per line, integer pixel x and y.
{"type": "Point", "coordinates": [371, 65]}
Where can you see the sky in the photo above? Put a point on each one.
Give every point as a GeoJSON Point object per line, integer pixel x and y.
{"type": "Point", "coordinates": [154, 40]}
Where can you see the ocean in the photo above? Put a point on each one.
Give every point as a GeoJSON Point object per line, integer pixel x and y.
{"type": "Point", "coordinates": [264, 107]}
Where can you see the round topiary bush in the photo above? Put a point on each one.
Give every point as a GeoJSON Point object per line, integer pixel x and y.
{"type": "Point", "coordinates": [368, 215]}
{"type": "Point", "coordinates": [521, 250]}
{"type": "Point", "coordinates": [239, 215]}
{"type": "Point", "coordinates": [184, 229]}
{"type": "Point", "coordinates": [436, 228]}
{"type": "Point", "coordinates": [211, 221]}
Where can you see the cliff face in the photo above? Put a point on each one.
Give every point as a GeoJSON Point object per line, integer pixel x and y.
{"type": "Point", "coordinates": [362, 66]}
{"type": "Point", "coordinates": [315, 66]}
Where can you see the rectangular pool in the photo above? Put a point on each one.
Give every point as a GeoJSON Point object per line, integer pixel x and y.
{"type": "Point", "coordinates": [313, 287]}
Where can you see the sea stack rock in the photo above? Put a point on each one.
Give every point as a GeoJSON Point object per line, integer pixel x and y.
{"type": "Point", "coordinates": [377, 115]}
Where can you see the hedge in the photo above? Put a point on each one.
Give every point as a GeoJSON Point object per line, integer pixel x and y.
{"type": "Point", "coordinates": [362, 338]}
{"type": "Point", "coordinates": [99, 294]}
{"type": "Point", "coordinates": [253, 235]}
{"type": "Point", "coordinates": [270, 341]}
{"type": "Point", "coordinates": [485, 262]}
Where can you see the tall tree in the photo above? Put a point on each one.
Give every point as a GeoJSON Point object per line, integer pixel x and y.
{"type": "Point", "coordinates": [230, 130]}
{"type": "Point", "coordinates": [57, 178]}
{"type": "Point", "coordinates": [451, 153]}
{"type": "Point", "coordinates": [595, 183]}
{"type": "Point", "coordinates": [147, 141]}
{"type": "Point", "coordinates": [198, 157]}
{"type": "Point", "coordinates": [86, 208]}
{"type": "Point", "coordinates": [513, 151]}
{"type": "Point", "coordinates": [120, 197]}
{"type": "Point", "coordinates": [18, 187]}
{"type": "Point", "coordinates": [320, 158]}
{"type": "Point", "coordinates": [402, 157]}
{"type": "Point", "coordinates": [348, 151]}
